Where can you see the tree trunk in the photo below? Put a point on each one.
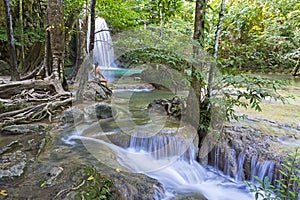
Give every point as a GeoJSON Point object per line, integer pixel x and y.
{"type": "Point", "coordinates": [297, 67]}
{"type": "Point", "coordinates": [92, 32]}
{"type": "Point", "coordinates": [22, 34]}
{"type": "Point", "coordinates": [83, 77]}
{"type": "Point", "coordinates": [199, 22]}
{"type": "Point", "coordinates": [194, 109]}
{"type": "Point", "coordinates": [81, 41]}
{"type": "Point", "coordinates": [56, 31]}
{"type": "Point", "coordinates": [12, 55]}
{"type": "Point", "coordinates": [216, 47]}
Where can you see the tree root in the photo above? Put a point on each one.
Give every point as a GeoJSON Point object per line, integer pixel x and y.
{"type": "Point", "coordinates": [33, 100]}
{"type": "Point", "coordinates": [35, 112]}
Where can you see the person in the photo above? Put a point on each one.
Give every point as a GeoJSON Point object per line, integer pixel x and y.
{"type": "Point", "coordinates": [97, 75]}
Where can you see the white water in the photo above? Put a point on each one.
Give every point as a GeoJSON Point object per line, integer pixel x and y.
{"type": "Point", "coordinates": [179, 173]}
{"type": "Point", "coordinates": [103, 50]}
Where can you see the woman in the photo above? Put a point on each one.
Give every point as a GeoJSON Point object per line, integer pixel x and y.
{"type": "Point", "coordinates": [97, 75]}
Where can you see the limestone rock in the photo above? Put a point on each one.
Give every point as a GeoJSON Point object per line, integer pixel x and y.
{"type": "Point", "coordinates": [12, 164]}
{"type": "Point", "coordinates": [95, 91]}
{"type": "Point", "coordinates": [100, 110]}
{"type": "Point", "coordinates": [24, 129]}
{"type": "Point", "coordinates": [71, 116]}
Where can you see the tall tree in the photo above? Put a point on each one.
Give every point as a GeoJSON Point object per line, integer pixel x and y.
{"type": "Point", "coordinates": [199, 23]}
{"type": "Point", "coordinates": [83, 78]}
{"type": "Point", "coordinates": [216, 47]}
{"type": "Point", "coordinates": [55, 38]}
{"type": "Point", "coordinates": [12, 49]}
{"type": "Point", "coordinates": [197, 80]}
{"type": "Point", "coordinates": [92, 32]}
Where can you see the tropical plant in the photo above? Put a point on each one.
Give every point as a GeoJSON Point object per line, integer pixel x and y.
{"type": "Point", "coordinates": [288, 187]}
{"type": "Point", "coordinates": [95, 186]}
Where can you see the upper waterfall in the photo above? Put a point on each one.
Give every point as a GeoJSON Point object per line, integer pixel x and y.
{"type": "Point", "coordinates": [103, 50]}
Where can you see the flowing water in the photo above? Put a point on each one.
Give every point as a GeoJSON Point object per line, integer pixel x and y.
{"type": "Point", "coordinates": [154, 145]}
{"type": "Point", "coordinates": [103, 50]}
{"type": "Point", "coordinates": [157, 146]}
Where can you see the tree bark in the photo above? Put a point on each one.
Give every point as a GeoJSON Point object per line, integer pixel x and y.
{"type": "Point", "coordinates": [81, 41]}
{"type": "Point", "coordinates": [56, 32]}
{"type": "Point", "coordinates": [216, 47]}
{"type": "Point", "coordinates": [92, 32]}
{"type": "Point", "coordinates": [199, 23]}
{"type": "Point", "coordinates": [12, 55]}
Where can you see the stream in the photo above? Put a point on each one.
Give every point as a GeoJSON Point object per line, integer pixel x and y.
{"type": "Point", "coordinates": [139, 141]}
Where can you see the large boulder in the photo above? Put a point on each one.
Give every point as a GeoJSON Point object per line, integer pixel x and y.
{"type": "Point", "coordinates": [95, 91]}
{"type": "Point", "coordinates": [71, 116]}
{"type": "Point", "coordinates": [101, 110]}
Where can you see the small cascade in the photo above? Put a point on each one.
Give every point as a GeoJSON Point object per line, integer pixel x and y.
{"type": "Point", "coordinates": [227, 165]}
{"type": "Point", "coordinates": [261, 170]}
{"type": "Point", "coordinates": [164, 146]}
{"type": "Point", "coordinates": [184, 173]}
{"type": "Point", "coordinates": [240, 167]}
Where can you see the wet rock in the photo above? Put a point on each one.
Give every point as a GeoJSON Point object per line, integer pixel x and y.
{"type": "Point", "coordinates": [71, 116]}
{"type": "Point", "coordinates": [164, 77]}
{"type": "Point", "coordinates": [95, 91]}
{"type": "Point", "coordinates": [171, 107]}
{"type": "Point", "coordinates": [135, 186]}
{"type": "Point", "coordinates": [52, 175]}
{"type": "Point", "coordinates": [12, 164]}
{"type": "Point", "coordinates": [100, 110]}
{"type": "Point", "coordinates": [119, 139]}
{"type": "Point", "coordinates": [245, 152]}
{"type": "Point", "coordinates": [24, 129]}
{"type": "Point", "coordinates": [190, 196]}
{"type": "Point", "coordinates": [10, 147]}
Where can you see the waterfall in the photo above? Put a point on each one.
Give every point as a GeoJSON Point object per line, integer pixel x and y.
{"type": "Point", "coordinates": [261, 170]}
{"type": "Point", "coordinates": [163, 146]}
{"type": "Point", "coordinates": [103, 50]}
{"type": "Point", "coordinates": [240, 167]}
{"type": "Point", "coordinates": [182, 174]}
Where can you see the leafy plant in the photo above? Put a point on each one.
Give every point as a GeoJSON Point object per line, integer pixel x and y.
{"type": "Point", "coordinates": [265, 190]}
{"type": "Point", "coordinates": [245, 90]}
{"type": "Point", "coordinates": [95, 186]}
{"type": "Point", "coordinates": [288, 187]}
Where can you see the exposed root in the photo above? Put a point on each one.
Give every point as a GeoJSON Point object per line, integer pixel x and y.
{"type": "Point", "coordinates": [32, 100]}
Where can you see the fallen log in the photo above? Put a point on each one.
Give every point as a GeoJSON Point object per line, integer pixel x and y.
{"type": "Point", "coordinates": [13, 88]}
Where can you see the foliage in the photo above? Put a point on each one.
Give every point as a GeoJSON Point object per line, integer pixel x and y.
{"type": "Point", "coordinates": [288, 187]}
{"type": "Point", "coordinates": [119, 14]}
{"type": "Point", "coordinates": [95, 185]}
{"type": "Point", "coordinates": [124, 15]}
{"type": "Point", "coordinates": [259, 35]}
{"type": "Point", "coordinates": [245, 90]}
{"type": "Point", "coordinates": [265, 189]}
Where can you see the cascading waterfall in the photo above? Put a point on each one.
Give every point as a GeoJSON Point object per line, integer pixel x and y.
{"type": "Point", "coordinates": [261, 169]}
{"type": "Point", "coordinates": [103, 50]}
{"type": "Point", "coordinates": [183, 174]}
{"type": "Point", "coordinates": [175, 166]}
{"type": "Point", "coordinates": [240, 169]}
